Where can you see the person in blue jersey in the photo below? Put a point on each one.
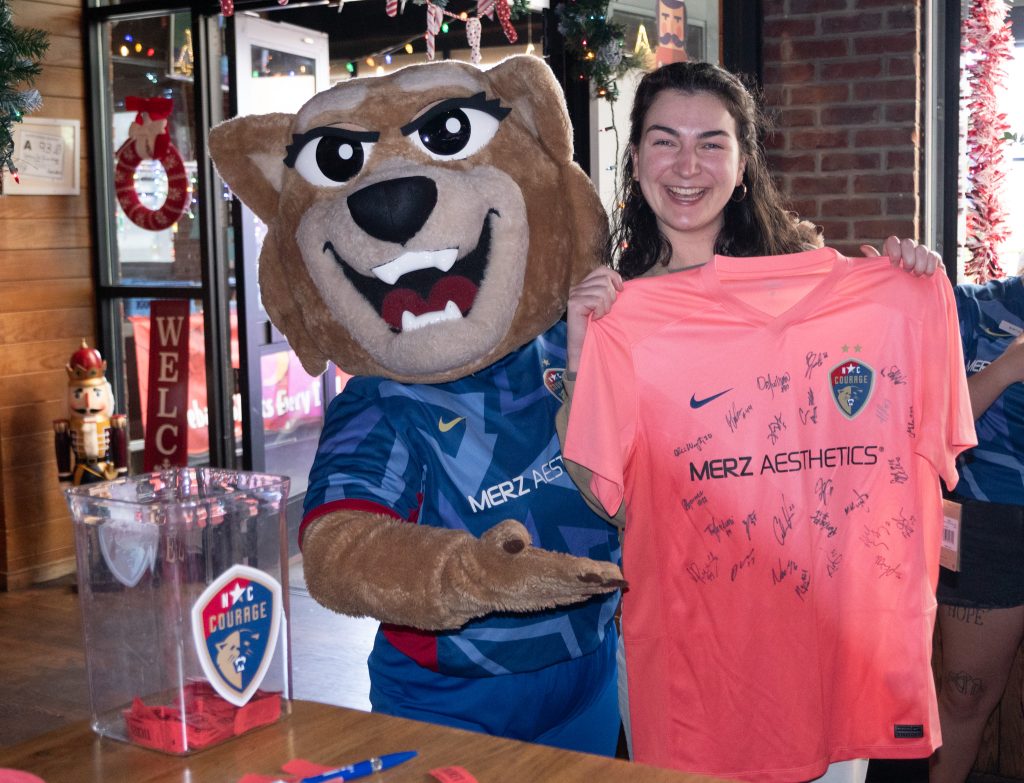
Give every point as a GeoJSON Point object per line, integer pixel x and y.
{"type": "Point", "coordinates": [424, 230]}
{"type": "Point", "coordinates": [981, 606]}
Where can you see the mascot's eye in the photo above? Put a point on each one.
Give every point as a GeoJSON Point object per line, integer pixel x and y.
{"type": "Point", "coordinates": [329, 157]}
{"type": "Point", "coordinates": [330, 160]}
{"type": "Point", "coordinates": [456, 128]}
{"type": "Point", "coordinates": [456, 134]}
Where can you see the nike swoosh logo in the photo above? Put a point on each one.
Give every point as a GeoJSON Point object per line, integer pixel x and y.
{"type": "Point", "coordinates": [444, 426]}
{"type": "Point", "coordinates": [695, 403]}
{"type": "Point", "coordinates": [994, 333]}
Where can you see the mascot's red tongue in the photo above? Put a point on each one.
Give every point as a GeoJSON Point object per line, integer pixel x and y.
{"type": "Point", "coordinates": [454, 288]}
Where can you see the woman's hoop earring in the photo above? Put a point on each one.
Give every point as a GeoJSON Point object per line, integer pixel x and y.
{"type": "Point", "coordinates": [743, 193]}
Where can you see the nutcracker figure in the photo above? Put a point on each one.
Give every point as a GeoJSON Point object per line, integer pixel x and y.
{"type": "Point", "coordinates": [92, 442]}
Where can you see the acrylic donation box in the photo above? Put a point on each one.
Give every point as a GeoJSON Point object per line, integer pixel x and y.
{"type": "Point", "coordinates": [183, 583]}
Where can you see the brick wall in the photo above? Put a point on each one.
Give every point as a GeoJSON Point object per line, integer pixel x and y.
{"type": "Point", "coordinates": [843, 78]}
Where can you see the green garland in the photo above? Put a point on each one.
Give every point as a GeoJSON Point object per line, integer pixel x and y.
{"type": "Point", "coordinates": [20, 52]}
{"type": "Point", "coordinates": [596, 44]}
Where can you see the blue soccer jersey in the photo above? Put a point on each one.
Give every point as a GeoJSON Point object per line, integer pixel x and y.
{"type": "Point", "coordinates": [466, 455]}
{"type": "Point", "coordinates": [991, 317]}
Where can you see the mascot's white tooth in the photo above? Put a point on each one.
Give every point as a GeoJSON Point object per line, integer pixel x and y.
{"type": "Point", "coordinates": [415, 260]}
{"type": "Point", "coordinates": [412, 322]}
{"type": "Point", "coordinates": [445, 259]}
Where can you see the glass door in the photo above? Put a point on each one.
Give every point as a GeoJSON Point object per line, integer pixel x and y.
{"type": "Point", "coordinates": [278, 68]}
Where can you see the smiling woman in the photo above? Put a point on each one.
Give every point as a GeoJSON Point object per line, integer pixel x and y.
{"type": "Point", "coordinates": [688, 165]}
{"type": "Point", "coordinates": [725, 301]}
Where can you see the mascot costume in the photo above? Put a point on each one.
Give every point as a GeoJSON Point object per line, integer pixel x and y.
{"type": "Point", "coordinates": [424, 230]}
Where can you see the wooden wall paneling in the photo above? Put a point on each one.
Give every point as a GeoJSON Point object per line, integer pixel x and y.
{"type": "Point", "coordinates": [64, 108]}
{"type": "Point", "coordinates": [22, 208]}
{"type": "Point", "coordinates": [37, 388]}
{"type": "Point", "coordinates": [19, 327]}
{"type": "Point", "coordinates": [56, 20]}
{"type": "Point", "coordinates": [22, 420]}
{"type": "Point", "coordinates": [46, 233]}
{"type": "Point", "coordinates": [48, 295]}
{"type": "Point", "coordinates": [23, 485]}
{"type": "Point", "coordinates": [53, 535]}
{"type": "Point", "coordinates": [47, 305]}
{"type": "Point", "coordinates": [62, 82]}
{"type": "Point", "coordinates": [35, 448]}
{"type": "Point", "coordinates": [46, 355]}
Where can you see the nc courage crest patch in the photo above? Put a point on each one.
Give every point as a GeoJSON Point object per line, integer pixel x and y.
{"type": "Point", "coordinates": [851, 382]}
{"type": "Point", "coordinates": [554, 380]}
{"type": "Point", "coordinates": [235, 624]}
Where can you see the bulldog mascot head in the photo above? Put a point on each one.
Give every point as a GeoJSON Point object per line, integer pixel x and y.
{"type": "Point", "coordinates": [424, 230]}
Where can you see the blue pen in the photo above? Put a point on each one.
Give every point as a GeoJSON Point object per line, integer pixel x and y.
{"type": "Point", "coordinates": [362, 768]}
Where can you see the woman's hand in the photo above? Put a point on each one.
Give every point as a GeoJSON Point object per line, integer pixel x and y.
{"type": "Point", "coordinates": [591, 297]}
{"type": "Point", "coordinates": [916, 259]}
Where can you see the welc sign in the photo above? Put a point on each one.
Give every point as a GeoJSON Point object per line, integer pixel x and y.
{"type": "Point", "coordinates": [289, 397]}
{"type": "Point", "coordinates": [168, 373]}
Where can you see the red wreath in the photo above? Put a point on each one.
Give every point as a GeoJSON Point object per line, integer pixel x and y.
{"type": "Point", "coordinates": [152, 115]}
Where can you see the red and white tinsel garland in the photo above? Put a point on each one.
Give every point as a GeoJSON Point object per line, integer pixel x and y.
{"type": "Point", "coordinates": [987, 47]}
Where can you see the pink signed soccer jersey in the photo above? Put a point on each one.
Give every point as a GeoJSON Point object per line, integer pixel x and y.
{"type": "Point", "coordinates": [777, 428]}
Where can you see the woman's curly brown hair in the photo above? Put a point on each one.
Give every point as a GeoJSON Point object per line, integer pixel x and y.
{"type": "Point", "coordinates": [757, 224]}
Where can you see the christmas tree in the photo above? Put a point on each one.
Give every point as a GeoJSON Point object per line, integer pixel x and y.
{"type": "Point", "coordinates": [20, 52]}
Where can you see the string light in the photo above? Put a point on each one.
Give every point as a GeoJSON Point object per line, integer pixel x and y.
{"type": "Point", "coordinates": [408, 48]}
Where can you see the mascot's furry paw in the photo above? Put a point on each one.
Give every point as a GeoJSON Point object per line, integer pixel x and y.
{"type": "Point", "coordinates": [437, 579]}
{"type": "Point", "coordinates": [521, 578]}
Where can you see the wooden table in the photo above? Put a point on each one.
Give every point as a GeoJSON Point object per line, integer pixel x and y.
{"type": "Point", "coordinates": [326, 735]}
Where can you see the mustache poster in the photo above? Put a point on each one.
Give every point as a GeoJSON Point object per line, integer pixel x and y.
{"type": "Point", "coordinates": [671, 32]}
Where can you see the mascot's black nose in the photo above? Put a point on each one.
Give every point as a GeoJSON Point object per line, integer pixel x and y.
{"type": "Point", "coordinates": [394, 210]}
